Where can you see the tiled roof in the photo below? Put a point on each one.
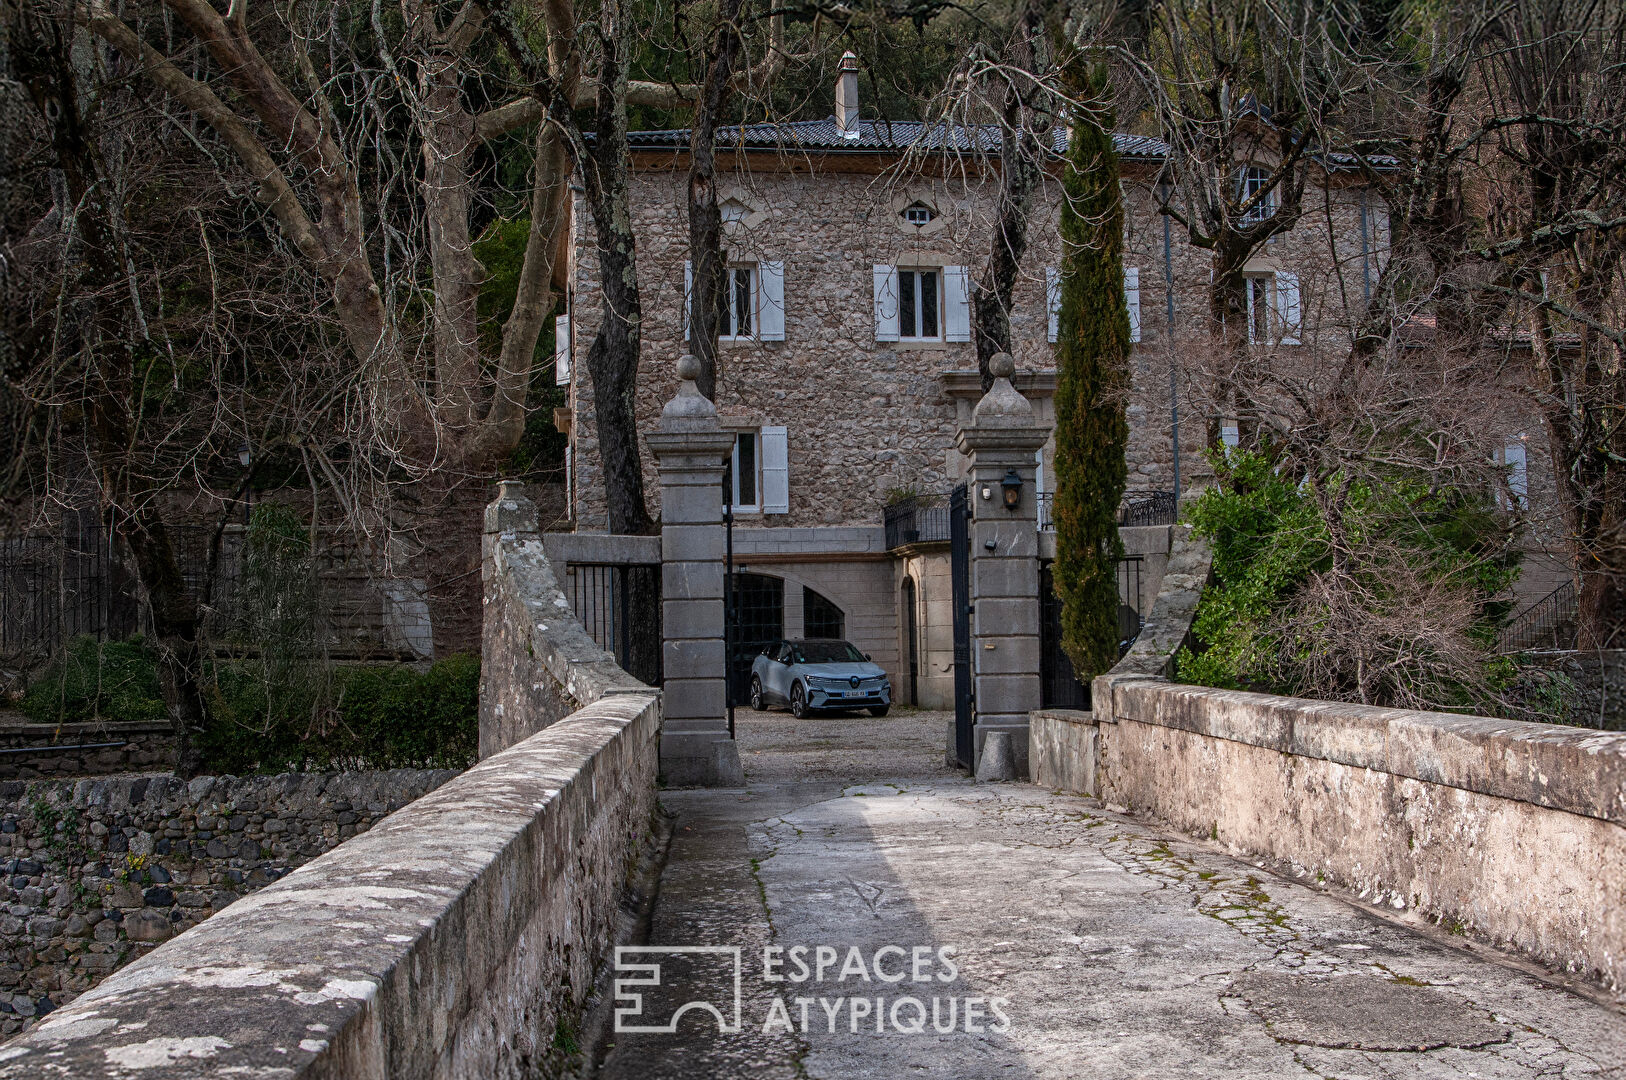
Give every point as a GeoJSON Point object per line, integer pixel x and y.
{"type": "Point", "coordinates": [897, 136]}
{"type": "Point", "coordinates": [874, 136]}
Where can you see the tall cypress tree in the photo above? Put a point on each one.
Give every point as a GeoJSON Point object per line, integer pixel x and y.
{"type": "Point", "coordinates": [1092, 385]}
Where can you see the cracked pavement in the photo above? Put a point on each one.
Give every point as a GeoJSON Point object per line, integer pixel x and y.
{"type": "Point", "coordinates": [1120, 948]}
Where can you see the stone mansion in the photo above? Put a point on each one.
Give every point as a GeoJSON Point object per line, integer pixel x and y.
{"type": "Point", "coordinates": [847, 363]}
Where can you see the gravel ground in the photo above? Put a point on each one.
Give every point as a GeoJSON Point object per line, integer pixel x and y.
{"type": "Point", "coordinates": [849, 748]}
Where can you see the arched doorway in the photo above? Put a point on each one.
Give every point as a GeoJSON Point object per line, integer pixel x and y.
{"type": "Point", "coordinates": [911, 634]}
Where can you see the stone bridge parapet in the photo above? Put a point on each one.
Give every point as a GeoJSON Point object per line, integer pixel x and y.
{"type": "Point", "coordinates": [454, 939]}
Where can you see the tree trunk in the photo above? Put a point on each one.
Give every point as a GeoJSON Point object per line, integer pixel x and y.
{"type": "Point", "coordinates": [708, 303]}
{"type": "Point", "coordinates": [99, 335]}
{"type": "Point", "coordinates": [612, 359]}
{"type": "Point", "coordinates": [1019, 173]}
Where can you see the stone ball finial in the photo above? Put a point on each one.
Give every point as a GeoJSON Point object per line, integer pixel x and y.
{"type": "Point", "coordinates": [688, 367]}
{"type": "Point", "coordinates": [1001, 366]}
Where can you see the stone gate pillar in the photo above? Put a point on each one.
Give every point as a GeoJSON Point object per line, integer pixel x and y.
{"type": "Point", "coordinates": [1002, 441]}
{"type": "Point", "coordinates": [691, 448]}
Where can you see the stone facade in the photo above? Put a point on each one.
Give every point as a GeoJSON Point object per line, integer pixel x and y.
{"type": "Point", "coordinates": [864, 417]}
{"type": "Point", "coordinates": [96, 873]}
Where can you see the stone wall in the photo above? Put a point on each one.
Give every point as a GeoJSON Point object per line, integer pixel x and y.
{"type": "Point", "coordinates": [455, 939]}
{"type": "Point", "coordinates": [1511, 832]}
{"type": "Point", "coordinates": [95, 873]}
{"type": "Point", "coordinates": [29, 751]}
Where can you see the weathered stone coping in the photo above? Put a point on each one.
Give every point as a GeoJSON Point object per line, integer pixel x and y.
{"type": "Point", "coordinates": [448, 941]}
{"type": "Point", "coordinates": [1578, 770]}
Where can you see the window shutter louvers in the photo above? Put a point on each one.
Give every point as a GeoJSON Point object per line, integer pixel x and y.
{"type": "Point", "coordinates": [771, 300]}
{"type": "Point", "coordinates": [688, 295]}
{"type": "Point", "coordinates": [886, 303]}
{"type": "Point", "coordinates": [1052, 300]}
{"type": "Point", "coordinates": [1288, 308]}
{"type": "Point", "coordinates": [561, 351]}
{"type": "Point", "coordinates": [956, 303]}
{"type": "Point", "coordinates": [775, 451]}
{"type": "Point", "coordinates": [1132, 300]}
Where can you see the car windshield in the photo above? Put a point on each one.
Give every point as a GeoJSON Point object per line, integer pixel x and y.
{"type": "Point", "coordinates": [827, 652]}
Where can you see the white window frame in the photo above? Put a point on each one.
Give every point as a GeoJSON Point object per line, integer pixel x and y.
{"type": "Point", "coordinates": [1252, 180]}
{"type": "Point", "coordinates": [1264, 285]}
{"type": "Point", "coordinates": [754, 287]}
{"type": "Point", "coordinates": [918, 206]}
{"type": "Point", "coordinates": [939, 301]}
{"type": "Point", "coordinates": [734, 471]}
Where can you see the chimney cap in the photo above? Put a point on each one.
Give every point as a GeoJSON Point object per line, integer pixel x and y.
{"type": "Point", "coordinates": [849, 61]}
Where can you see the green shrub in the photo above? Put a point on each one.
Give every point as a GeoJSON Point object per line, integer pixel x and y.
{"type": "Point", "coordinates": [375, 717]}
{"type": "Point", "coordinates": [98, 680]}
{"type": "Point", "coordinates": [1393, 606]}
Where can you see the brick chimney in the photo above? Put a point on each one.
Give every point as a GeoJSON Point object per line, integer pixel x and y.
{"type": "Point", "coordinates": [847, 96]}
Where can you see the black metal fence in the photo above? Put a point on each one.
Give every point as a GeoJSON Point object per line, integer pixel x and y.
{"type": "Point", "coordinates": [1059, 687]}
{"type": "Point", "coordinates": [79, 580]}
{"type": "Point", "coordinates": [1137, 508]}
{"type": "Point", "coordinates": [618, 604]}
{"type": "Point", "coordinates": [920, 519]}
{"type": "Point", "coordinates": [1549, 623]}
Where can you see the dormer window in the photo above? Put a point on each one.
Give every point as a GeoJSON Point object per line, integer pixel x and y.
{"type": "Point", "coordinates": [918, 214]}
{"type": "Point", "coordinates": [1251, 183]}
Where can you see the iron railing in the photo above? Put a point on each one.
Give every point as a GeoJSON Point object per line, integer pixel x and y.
{"type": "Point", "coordinates": [618, 604]}
{"type": "Point", "coordinates": [1137, 508]}
{"type": "Point", "coordinates": [1059, 687]}
{"type": "Point", "coordinates": [919, 519]}
{"type": "Point", "coordinates": [1549, 623]}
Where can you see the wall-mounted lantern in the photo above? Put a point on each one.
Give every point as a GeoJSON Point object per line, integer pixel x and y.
{"type": "Point", "coordinates": [1011, 487]}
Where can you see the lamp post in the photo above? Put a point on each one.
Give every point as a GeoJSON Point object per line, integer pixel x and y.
{"type": "Point", "coordinates": [245, 458]}
{"type": "Point", "coordinates": [1165, 191]}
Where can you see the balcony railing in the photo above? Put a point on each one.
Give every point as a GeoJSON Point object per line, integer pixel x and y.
{"type": "Point", "coordinates": [1137, 508]}
{"type": "Point", "coordinates": [921, 519]}
{"type": "Point", "coordinates": [1549, 623]}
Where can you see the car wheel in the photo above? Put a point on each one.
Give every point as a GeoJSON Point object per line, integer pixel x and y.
{"type": "Point", "coordinates": [756, 693]}
{"type": "Point", "coordinates": [798, 701]}
{"type": "Point", "coordinates": [878, 710]}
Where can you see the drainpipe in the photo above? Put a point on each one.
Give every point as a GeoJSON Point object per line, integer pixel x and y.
{"type": "Point", "coordinates": [1168, 336]}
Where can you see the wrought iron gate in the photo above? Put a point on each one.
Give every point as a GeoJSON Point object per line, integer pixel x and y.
{"type": "Point", "coordinates": [1059, 687]}
{"type": "Point", "coordinates": [960, 575]}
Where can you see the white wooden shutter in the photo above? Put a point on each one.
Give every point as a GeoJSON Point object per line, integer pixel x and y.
{"type": "Point", "coordinates": [1132, 300]}
{"type": "Point", "coordinates": [956, 303]}
{"type": "Point", "coordinates": [775, 450]}
{"type": "Point", "coordinates": [688, 295]}
{"type": "Point", "coordinates": [886, 303]}
{"type": "Point", "coordinates": [1288, 308]}
{"type": "Point", "coordinates": [561, 351]}
{"type": "Point", "coordinates": [771, 300]}
{"type": "Point", "coordinates": [1230, 437]}
{"type": "Point", "coordinates": [1052, 300]}
{"type": "Point", "coordinates": [1518, 472]}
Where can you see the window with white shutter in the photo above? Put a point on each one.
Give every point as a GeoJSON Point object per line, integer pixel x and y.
{"type": "Point", "coordinates": [1132, 300]}
{"type": "Point", "coordinates": [775, 471]}
{"type": "Point", "coordinates": [1518, 471]}
{"type": "Point", "coordinates": [956, 303]}
{"type": "Point", "coordinates": [1052, 301]}
{"type": "Point", "coordinates": [1288, 308]}
{"type": "Point", "coordinates": [886, 303]}
{"type": "Point", "coordinates": [771, 290]}
{"type": "Point", "coordinates": [561, 351]}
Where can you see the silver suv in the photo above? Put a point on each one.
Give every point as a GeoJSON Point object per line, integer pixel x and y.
{"type": "Point", "coordinates": [818, 674]}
